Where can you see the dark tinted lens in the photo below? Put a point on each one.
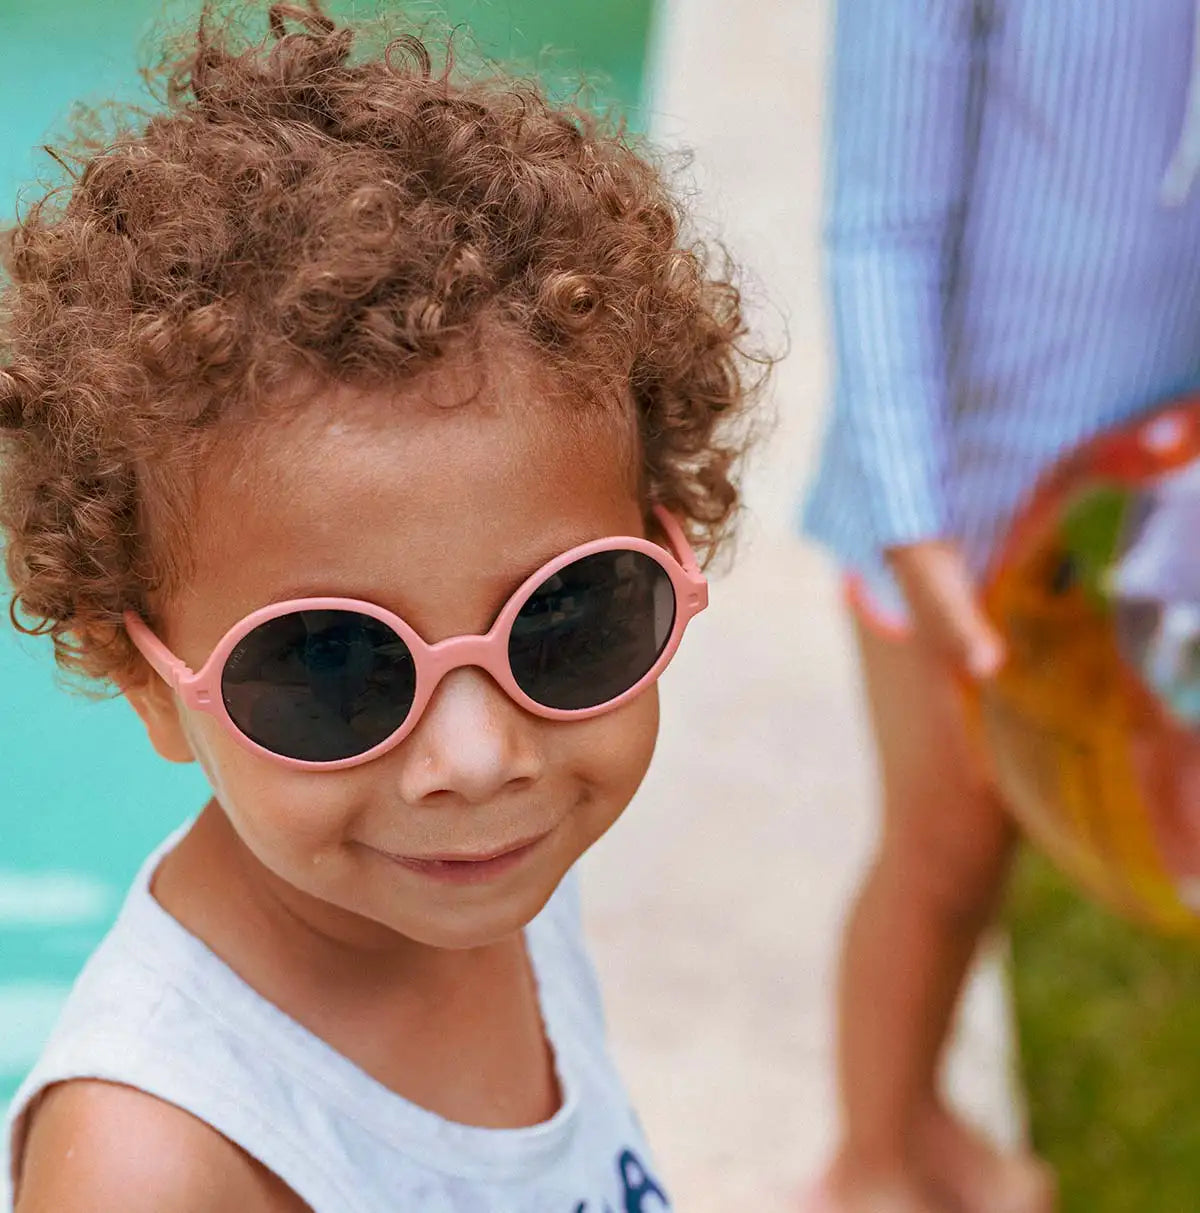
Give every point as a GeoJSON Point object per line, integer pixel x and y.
{"type": "Point", "coordinates": [589, 632]}
{"type": "Point", "coordinates": [319, 685]}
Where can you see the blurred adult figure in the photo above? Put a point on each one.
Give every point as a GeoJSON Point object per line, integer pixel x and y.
{"type": "Point", "coordinates": [1014, 259]}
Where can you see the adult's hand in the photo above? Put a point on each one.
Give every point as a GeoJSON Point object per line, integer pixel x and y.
{"type": "Point", "coordinates": [945, 607]}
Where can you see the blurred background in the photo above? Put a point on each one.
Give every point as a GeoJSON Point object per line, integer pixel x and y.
{"type": "Point", "coordinates": [714, 904]}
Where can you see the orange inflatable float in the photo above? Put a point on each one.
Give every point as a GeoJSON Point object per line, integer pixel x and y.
{"type": "Point", "coordinates": [1093, 726]}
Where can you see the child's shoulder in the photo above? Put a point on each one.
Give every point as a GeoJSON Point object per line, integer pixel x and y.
{"type": "Point", "coordinates": [111, 1147]}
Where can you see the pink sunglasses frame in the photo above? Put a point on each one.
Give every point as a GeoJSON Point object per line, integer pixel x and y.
{"type": "Point", "coordinates": [201, 691]}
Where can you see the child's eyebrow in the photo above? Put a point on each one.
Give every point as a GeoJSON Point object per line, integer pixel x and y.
{"type": "Point", "coordinates": [525, 564]}
{"type": "Point", "coordinates": [502, 580]}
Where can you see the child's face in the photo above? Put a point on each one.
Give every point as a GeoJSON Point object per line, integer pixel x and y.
{"type": "Point", "coordinates": [437, 514]}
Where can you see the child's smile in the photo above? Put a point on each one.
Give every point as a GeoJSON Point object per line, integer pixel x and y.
{"type": "Point", "coordinates": [437, 511]}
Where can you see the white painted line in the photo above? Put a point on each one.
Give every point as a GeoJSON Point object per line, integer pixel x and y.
{"type": "Point", "coordinates": [50, 899]}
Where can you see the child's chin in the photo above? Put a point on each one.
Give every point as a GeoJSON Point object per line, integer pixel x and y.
{"type": "Point", "coordinates": [477, 925]}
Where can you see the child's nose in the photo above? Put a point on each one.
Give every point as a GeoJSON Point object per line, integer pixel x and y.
{"type": "Point", "coordinates": [471, 742]}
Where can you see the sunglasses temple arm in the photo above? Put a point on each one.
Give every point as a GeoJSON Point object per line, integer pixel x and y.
{"type": "Point", "coordinates": [172, 671]}
{"type": "Point", "coordinates": [683, 549]}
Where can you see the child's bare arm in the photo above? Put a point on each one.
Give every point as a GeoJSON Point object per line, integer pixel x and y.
{"type": "Point", "coordinates": [112, 1149]}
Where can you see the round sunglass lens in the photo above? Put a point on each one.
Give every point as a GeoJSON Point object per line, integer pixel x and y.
{"type": "Point", "coordinates": [319, 686]}
{"type": "Point", "coordinates": [593, 630]}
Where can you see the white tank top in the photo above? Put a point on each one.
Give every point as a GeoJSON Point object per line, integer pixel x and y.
{"type": "Point", "coordinates": [155, 1009]}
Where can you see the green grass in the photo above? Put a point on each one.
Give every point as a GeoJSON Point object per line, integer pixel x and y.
{"type": "Point", "coordinates": [1108, 1020]}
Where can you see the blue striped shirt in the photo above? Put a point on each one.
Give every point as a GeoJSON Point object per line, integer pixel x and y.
{"type": "Point", "coordinates": [1005, 276]}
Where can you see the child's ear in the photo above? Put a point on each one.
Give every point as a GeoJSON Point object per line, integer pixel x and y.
{"type": "Point", "coordinates": [153, 701]}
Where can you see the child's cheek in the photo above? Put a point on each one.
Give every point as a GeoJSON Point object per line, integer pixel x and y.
{"type": "Point", "coordinates": [292, 819]}
{"type": "Point", "coordinates": [616, 752]}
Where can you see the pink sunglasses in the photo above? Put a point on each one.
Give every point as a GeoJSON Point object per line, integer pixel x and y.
{"type": "Point", "coordinates": [326, 683]}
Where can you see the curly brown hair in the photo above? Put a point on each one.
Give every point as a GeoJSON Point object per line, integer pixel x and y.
{"type": "Point", "coordinates": [295, 207]}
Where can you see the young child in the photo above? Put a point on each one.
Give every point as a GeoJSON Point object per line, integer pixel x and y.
{"type": "Point", "coordinates": [354, 417]}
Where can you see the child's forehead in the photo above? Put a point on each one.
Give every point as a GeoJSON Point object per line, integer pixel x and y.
{"type": "Point", "coordinates": [333, 500]}
{"type": "Point", "coordinates": [504, 419]}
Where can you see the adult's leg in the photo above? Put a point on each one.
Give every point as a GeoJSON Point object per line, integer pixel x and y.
{"type": "Point", "coordinates": [931, 889]}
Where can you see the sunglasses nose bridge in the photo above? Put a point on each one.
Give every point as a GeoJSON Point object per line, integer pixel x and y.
{"type": "Point", "coordinates": [487, 652]}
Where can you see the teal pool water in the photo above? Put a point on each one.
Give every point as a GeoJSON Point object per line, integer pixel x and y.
{"type": "Point", "coordinates": [82, 796]}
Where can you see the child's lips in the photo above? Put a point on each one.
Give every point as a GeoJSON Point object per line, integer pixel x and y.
{"type": "Point", "coordinates": [469, 867]}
